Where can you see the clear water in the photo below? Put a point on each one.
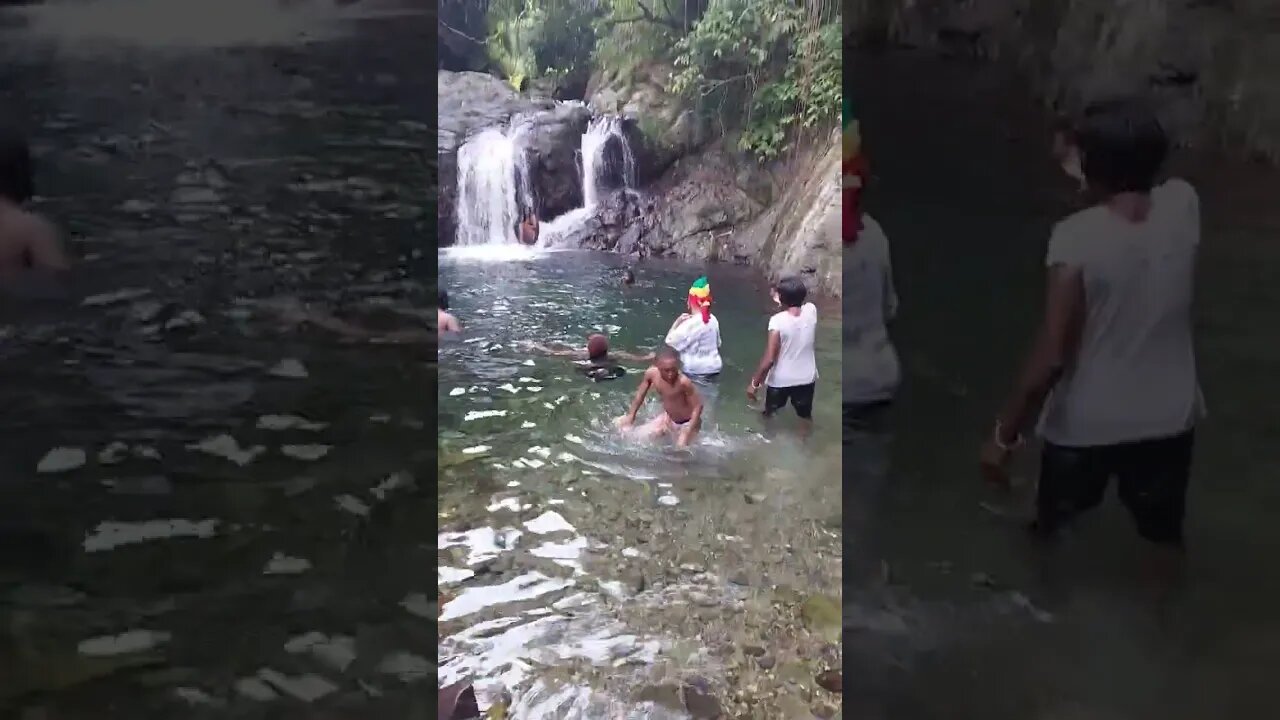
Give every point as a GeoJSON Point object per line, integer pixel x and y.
{"type": "Point", "coordinates": [577, 566]}
{"type": "Point", "coordinates": [977, 622]}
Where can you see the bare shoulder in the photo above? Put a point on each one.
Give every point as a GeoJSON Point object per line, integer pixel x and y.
{"type": "Point", "coordinates": [651, 373]}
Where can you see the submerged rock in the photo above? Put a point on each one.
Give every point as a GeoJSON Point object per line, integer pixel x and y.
{"type": "Point", "coordinates": [62, 459]}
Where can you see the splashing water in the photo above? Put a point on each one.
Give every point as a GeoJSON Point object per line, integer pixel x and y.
{"type": "Point", "coordinates": [492, 176]}
{"type": "Point", "coordinates": [595, 168]}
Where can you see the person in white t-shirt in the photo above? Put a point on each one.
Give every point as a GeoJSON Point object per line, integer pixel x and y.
{"type": "Point", "coordinates": [788, 366]}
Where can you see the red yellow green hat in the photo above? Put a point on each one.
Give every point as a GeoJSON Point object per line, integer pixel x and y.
{"type": "Point", "coordinates": [700, 297]}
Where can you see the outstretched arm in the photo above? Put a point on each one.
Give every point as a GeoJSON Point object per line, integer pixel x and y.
{"type": "Point", "coordinates": [695, 418]}
{"type": "Point", "coordinates": [632, 357]}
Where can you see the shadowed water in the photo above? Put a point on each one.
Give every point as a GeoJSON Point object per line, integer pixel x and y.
{"type": "Point", "coordinates": [590, 575]}
{"type": "Point", "coordinates": [206, 512]}
{"type": "Point", "coordinates": [977, 622]}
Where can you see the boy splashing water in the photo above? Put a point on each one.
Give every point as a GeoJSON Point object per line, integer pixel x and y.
{"type": "Point", "coordinates": [681, 415]}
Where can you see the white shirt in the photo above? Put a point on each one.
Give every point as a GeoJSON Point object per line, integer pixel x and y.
{"type": "Point", "coordinates": [795, 364]}
{"type": "Point", "coordinates": [871, 371]}
{"type": "Point", "coordinates": [1134, 375]}
{"type": "Point", "coordinates": [698, 344]}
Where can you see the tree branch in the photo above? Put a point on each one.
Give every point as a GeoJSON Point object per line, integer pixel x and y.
{"type": "Point", "coordinates": [459, 33]}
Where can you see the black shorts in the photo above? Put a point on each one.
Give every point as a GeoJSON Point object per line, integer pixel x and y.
{"type": "Point", "coordinates": [1151, 480]}
{"type": "Point", "coordinates": [800, 397]}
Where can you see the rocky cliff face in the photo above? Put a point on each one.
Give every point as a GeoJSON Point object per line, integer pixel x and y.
{"type": "Point", "coordinates": [1211, 64]}
{"type": "Point", "coordinates": [698, 202]}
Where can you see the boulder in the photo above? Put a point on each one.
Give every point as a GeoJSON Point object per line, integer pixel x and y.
{"type": "Point", "coordinates": [551, 140]}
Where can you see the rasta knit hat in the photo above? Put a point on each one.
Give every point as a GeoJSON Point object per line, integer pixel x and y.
{"type": "Point", "coordinates": [853, 175]}
{"type": "Point", "coordinates": [700, 297]}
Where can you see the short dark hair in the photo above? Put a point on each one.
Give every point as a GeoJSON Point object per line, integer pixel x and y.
{"type": "Point", "coordinates": [442, 299]}
{"type": "Point", "coordinates": [17, 182]}
{"type": "Point", "coordinates": [666, 351]}
{"type": "Point", "coordinates": [791, 291]}
{"type": "Point", "coordinates": [1122, 145]}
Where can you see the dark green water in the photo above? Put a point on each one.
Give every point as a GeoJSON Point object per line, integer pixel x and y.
{"type": "Point", "coordinates": [984, 625]}
{"type": "Point", "coordinates": [579, 566]}
{"type": "Point", "coordinates": [150, 578]}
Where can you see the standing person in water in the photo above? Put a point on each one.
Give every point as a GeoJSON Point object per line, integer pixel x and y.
{"type": "Point", "coordinates": [696, 336]}
{"type": "Point", "coordinates": [1112, 373]}
{"type": "Point", "coordinates": [681, 415]}
{"type": "Point", "coordinates": [527, 230]}
{"type": "Point", "coordinates": [445, 320]}
{"type": "Point", "coordinates": [788, 365]}
{"type": "Point", "coordinates": [28, 242]}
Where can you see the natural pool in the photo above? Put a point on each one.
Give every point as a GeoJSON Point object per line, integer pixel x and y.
{"type": "Point", "coordinates": [590, 576]}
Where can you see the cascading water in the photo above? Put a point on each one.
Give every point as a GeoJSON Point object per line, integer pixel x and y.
{"type": "Point", "coordinates": [595, 162]}
{"type": "Point", "coordinates": [493, 182]}
{"type": "Point", "coordinates": [598, 177]}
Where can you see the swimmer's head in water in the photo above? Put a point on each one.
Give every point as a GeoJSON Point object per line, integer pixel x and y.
{"type": "Point", "coordinates": [597, 346]}
{"type": "Point", "coordinates": [628, 277]}
{"type": "Point", "coordinates": [700, 298]}
{"type": "Point", "coordinates": [442, 299]}
{"type": "Point", "coordinates": [667, 360]}
{"type": "Point", "coordinates": [17, 182]}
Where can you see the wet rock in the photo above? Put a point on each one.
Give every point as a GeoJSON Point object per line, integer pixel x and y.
{"type": "Point", "coordinates": [791, 707]}
{"type": "Point", "coordinates": [766, 662]}
{"type": "Point", "coordinates": [289, 422]}
{"type": "Point", "coordinates": [753, 650]}
{"type": "Point", "coordinates": [195, 696]}
{"type": "Point", "coordinates": [822, 616]}
{"type": "Point", "coordinates": [700, 701]}
{"type": "Point", "coordinates": [61, 459]}
{"type": "Point", "coordinates": [337, 652]}
{"type": "Point", "coordinates": [665, 695]}
{"type": "Point", "coordinates": [184, 319]}
{"type": "Point", "coordinates": [831, 681]}
{"type": "Point", "coordinates": [755, 498]}
{"type": "Point", "coordinates": [352, 504]}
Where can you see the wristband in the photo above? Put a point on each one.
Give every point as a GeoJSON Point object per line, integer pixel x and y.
{"type": "Point", "coordinates": [1000, 443]}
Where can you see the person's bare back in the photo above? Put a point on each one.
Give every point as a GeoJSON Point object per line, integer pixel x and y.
{"type": "Point", "coordinates": [27, 242]}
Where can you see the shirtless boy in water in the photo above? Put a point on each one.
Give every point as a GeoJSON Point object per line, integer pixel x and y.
{"type": "Point", "coordinates": [28, 242]}
{"type": "Point", "coordinates": [681, 414]}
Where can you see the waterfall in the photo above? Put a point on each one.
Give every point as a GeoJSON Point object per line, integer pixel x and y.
{"type": "Point", "coordinates": [595, 163]}
{"type": "Point", "coordinates": [493, 186]}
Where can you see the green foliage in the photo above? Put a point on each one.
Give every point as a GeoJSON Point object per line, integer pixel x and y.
{"type": "Point", "coordinates": [766, 66]}
{"type": "Point", "coordinates": [627, 39]}
{"type": "Point", "coordinates": [530, 39]}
